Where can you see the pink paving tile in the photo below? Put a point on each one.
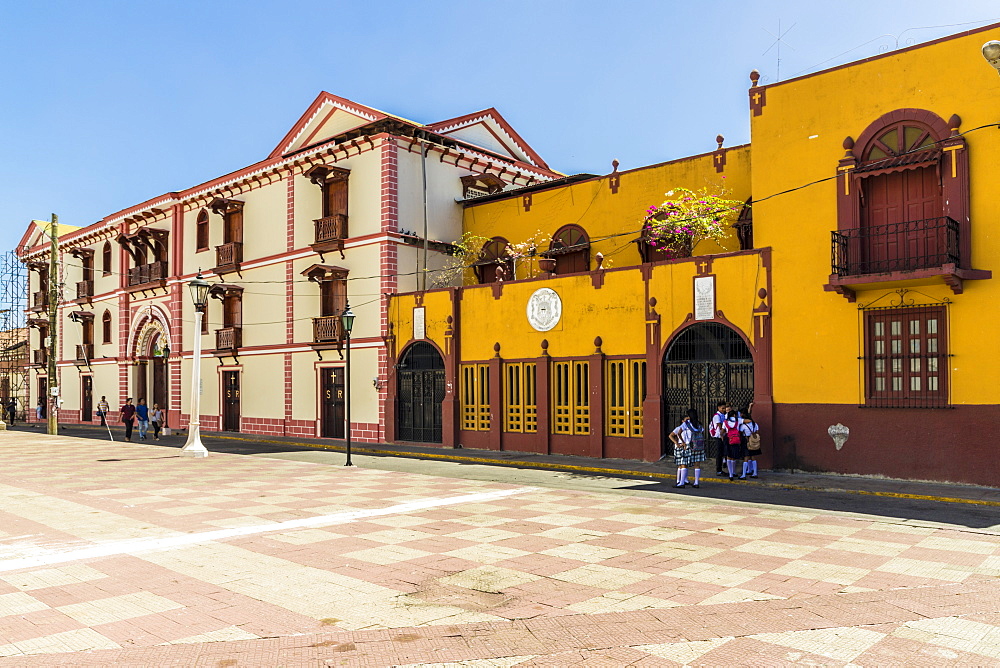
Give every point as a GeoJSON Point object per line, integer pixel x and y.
{"type": "Point", "coordinates": [35, 625]}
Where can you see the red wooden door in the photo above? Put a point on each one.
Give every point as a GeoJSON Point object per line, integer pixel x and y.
{"type": "Point", "coordinates": [901, 220]}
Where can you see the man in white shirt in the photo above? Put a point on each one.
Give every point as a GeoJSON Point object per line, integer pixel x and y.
{"type": "Point", "coordinates": [715, 434]}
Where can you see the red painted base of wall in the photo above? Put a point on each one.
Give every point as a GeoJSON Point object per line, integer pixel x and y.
{"type": "Point", "coordinates": [953, 445]}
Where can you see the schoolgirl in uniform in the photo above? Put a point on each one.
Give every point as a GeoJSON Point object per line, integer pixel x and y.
{"type": "Point", "coordinates": [689, 448]}
{"type": "Point", "coordinates": [733, 441]}
{"type": "Point", "coordinates": [747, 430]}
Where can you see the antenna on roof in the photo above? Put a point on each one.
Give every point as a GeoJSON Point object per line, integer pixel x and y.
{"type": "Point", "coordinates": [778, 41]}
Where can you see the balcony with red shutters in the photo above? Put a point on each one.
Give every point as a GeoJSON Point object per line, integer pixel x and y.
{"type": "Point", "coordinates": [330, 231]}
{"type": "Point", "coordinates": [902, 207]}
{"type": "Point", "coordinates": [229, 255]}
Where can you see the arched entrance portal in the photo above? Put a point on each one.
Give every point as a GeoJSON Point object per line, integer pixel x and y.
{"type": "Point", "coordinates": [707, 363]}
{"type": "Point", "coordinates": [150, 352]}
{"type": "Point", "coordinates": [420, 384]}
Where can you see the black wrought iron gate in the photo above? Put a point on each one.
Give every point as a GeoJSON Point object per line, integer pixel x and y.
{"type": "Point", "coordinates": [706, 364]}
{"type": "Point", "coordinates": [420, 391]}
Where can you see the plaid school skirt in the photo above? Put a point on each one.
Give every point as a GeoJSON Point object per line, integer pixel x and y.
{"type": "Point", "coordinates": [689, 455]}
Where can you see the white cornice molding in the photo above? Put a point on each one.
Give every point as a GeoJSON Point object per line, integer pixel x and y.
{"type": "Point", "coordinates": [328, 103]}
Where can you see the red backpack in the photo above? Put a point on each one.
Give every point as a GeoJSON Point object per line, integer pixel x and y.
{"type": "Point", "coordinates": [732, 433]}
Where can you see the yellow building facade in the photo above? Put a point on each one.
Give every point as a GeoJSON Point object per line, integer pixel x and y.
{"type": "Point", "coordinates": [852, 301]}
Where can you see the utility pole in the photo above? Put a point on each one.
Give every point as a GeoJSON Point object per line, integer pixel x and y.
{"type": "Point", "coordinates": [52, 401]}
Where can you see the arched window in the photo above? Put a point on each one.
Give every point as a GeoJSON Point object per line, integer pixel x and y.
{"type": "Point", "coordinates": [902, 200]}
{"type": "Point", "coordinates": [493, 258]}
{"type": "Point", "coordinates": [571, 249]}
{"type": "Point", "coordinates": [106, 327]}
{"type": "Point", "coordinates": [106, 258]}
{"type": "Point", "coordinates": [201, 231]}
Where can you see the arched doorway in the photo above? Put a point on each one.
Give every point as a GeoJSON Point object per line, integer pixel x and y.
{"type": "Point", "coordinates": [707, 363]}
{"type": "Point", "coordinates": [420, 384]}
{"type": "Point", "coordinates": [150, 350]}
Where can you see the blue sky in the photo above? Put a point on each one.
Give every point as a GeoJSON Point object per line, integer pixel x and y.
{"type": "Point", "coordinates": [107, 104]}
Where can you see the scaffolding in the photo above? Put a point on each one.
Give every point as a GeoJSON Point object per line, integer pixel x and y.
{"type": "Point", "coordinates": [14, 349]}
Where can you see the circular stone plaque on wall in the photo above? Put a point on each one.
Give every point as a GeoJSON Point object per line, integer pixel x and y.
{"type": "Point", "coordinates": [544, 309]}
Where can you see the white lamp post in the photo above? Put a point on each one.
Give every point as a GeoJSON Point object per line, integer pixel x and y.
{"type": "Point", "coordinates": [194, 447]}
{"type": "Point", "coordinates": [347, 320]}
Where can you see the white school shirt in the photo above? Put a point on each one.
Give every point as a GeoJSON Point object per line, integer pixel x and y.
{"type": "Point", "coordinates": [715, 430]}
{"type": "Point", "coordinates": [157, 415]}
{"type": "Point", "coordinates": [686, 432]}
{"type": "Point", "coordinates": [748, 428]}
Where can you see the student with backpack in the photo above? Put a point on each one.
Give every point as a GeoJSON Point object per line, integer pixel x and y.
{"type": "Point", "coordinates": [715, 436]}
{"type": "Point", "coordinates": [751, 436]}
{"type": "Point", "coordinates": [689, 448]}
{"type": "Point", "coordinates": [733, 442]}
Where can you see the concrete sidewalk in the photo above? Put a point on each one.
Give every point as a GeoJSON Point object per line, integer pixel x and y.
{"type": "Point", "coordinates": [875, 486]}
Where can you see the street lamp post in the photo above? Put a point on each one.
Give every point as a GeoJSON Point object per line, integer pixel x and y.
{"type": "Point", "coordinates": [194, 447]}
{"type": "Point", "coordinates": [347, 320]}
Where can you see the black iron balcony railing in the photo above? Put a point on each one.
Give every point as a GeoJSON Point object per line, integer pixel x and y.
{"type": "Point", "coordinates": [84, 289]}
{"type": "Point", "coordinates": [40, 298]}
{"type": "Point", "coordinates": [84, 352]}
{"type": "Point", "coordinates": [229, 254]}
{"type": "Point", "coordinates": [331, 228]}
{"type": "Point", "coordinates": [328, 329]}
{"type": "Point", "coordinates": [916, 244]}
{"type": "Point", "coordinates": [228, 338]}
{"type": "Point", "coordinates": [40, 356]}
{"type": "Point", "coordinates": [147, 273]}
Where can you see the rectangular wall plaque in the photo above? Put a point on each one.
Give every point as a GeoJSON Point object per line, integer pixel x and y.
{"type": "Point", "coordinates": [419, 331]}
{"type": "Point", "coordinates": [704, 298]}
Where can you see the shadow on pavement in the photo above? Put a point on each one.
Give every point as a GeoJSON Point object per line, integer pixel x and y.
{"type": "Point", "coordinates": [968, 515]}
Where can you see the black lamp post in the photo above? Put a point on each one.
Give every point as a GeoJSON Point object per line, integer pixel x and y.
{"type": "Point", "coordinates": [347, 320]}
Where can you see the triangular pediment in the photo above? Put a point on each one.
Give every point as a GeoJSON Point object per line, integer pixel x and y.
{"type": "Point", "coordinates": [328, 116]}
{"type": "Point", "coordinates": [489, 130]}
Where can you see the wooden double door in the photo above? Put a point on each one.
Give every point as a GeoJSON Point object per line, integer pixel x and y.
{"type": "Point", "coordinates": [333, 396]}
{"type": "Point", "coordinates": [230, 401]}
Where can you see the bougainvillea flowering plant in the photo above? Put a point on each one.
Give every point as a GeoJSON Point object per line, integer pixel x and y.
{"type": "Point", "coordinates": [687, 217]}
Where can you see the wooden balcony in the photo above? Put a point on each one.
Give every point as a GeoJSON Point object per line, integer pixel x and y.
{"type": "Point", "coordinates": [228, 338]}
{"type": "Point", "coordinates": [84, 290]}
{"type": "Point", "coordinates": [330, 233]}
{"type": "Point", "coordinates": [40, 357]}
{"type": "Point", "coordinates": [154, 272]}
{"type": "Point", "coordinates": [40, 299]}
{"type": "Point", "coordinates": [228, 257]}
{"type": "Point", "coordinates": [918, 251]}
{"type": "Point", "coordinates": [84, 352]}
{"type": "Point", "coordinates": [328, 330]}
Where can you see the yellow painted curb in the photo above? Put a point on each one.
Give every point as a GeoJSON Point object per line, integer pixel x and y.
{"type": "Point", "coordinates": [593, 469]}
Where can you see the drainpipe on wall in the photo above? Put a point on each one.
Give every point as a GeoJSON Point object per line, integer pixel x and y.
{"type": "Point", "coordinates": [422, 282]}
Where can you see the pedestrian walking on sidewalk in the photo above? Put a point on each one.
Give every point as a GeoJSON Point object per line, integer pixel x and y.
{"type": "Point", "coordinates": [156, 419]}
{"type": "Point", "coordinates": [102, 410]}
{"type": "Point", "coordinates": [127, 415]}
{"type": "Point", "coordinates": [11, 410]}
{"type": "Point", "coordinates": [142, 414]}
{"type": "Point", "coordinates": [689, 448]}
{"type": "Point", "coordinates": [40, 409]}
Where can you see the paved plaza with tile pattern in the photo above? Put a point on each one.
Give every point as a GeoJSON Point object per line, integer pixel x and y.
{"type": "Point", "coordinates": [127, 554]}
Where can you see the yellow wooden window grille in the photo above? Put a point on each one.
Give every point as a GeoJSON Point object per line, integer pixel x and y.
{"type": "Point", "coordinates": [638, 395]}
{"type": "Point", "coordinates": [475, 397]}
{"type": "Point", "coordinates": [520, 404]}
{"type": "Point", "coordinates": [615, 383]}
{"type": "Point", "coordinates": [570, 398]}
{"type": "Point", "coordinates": [624, 391]}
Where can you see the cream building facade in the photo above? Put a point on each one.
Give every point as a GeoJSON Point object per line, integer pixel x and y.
{"type": "Point", "coordinates": [352, 206]}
